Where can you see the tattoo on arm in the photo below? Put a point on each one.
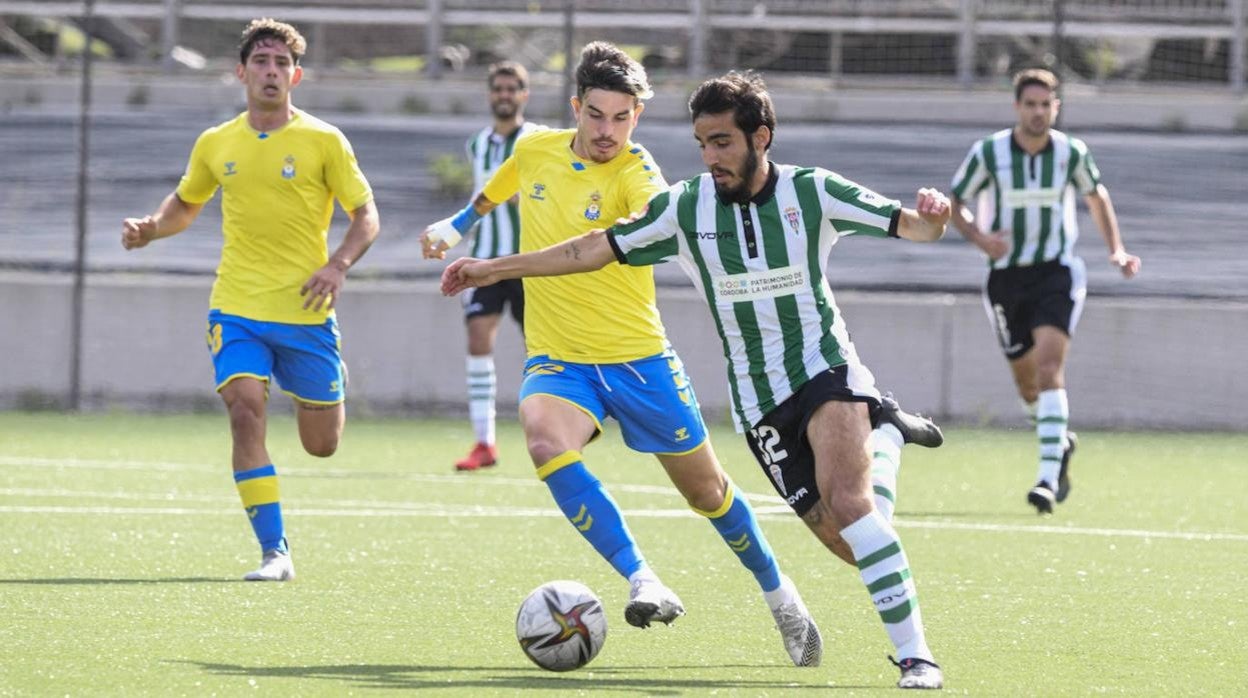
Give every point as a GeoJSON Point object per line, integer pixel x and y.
{"type": "Point", "coordinates": [573, 251]}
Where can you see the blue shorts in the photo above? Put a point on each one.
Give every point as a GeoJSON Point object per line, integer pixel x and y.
{"type": "Point", "coordinates": [306, 360]}
{"type": "Point", "coordinates": [651, 398]}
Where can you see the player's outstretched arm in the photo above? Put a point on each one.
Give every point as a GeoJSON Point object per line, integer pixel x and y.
{"type": "Point", "coordinates": [446, 233]}
{"type": "Point", "coordinates": [926, 221]}
{"type": "Point", "coordinates": [323, 287]}
{"type": "Point", "coordinates": [173, 216]}
{"type": "Point", "coordinates": [1102, 209]}
{"type": "Point", "coordinates": [588, 252]}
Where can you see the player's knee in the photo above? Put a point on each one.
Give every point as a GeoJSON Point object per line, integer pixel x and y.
{"type": "Point", "coordinates": [246, 416]}
{"type": "Point", "coordinates": [321, 448]}
{"type": "Point", "coordinates": [543, 450]}
{"type": "Point", "coordinates": [847, 507]}
{"type": "Point", "coordinates": [705, 496]}
{"type": "Point", "coordinates": [320, 444]}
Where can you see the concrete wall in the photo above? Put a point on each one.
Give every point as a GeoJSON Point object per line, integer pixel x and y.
{"type": "Point", "coordinates": [1087, 107]}
{"type": "Point", "coordinates": [1136, 363]}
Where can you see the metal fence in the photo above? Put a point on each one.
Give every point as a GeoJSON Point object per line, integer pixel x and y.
{"type": "Point", "coordinates": [957, 41]}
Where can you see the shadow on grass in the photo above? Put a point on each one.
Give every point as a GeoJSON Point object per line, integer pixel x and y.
{"type": "Point", "coordinates": [416, 676]}
{"type": "Point", "coordinates": [112, 580]}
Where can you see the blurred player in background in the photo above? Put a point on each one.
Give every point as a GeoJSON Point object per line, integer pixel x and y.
{"type": "Point", "coordinates": [497, 234]}
{"type": "Point", "coordinates": [271, 312]}
{"type": "Point", "coordinates": [597, 347]}
{"type": "Point", "coordinates": [754, 237]}
{"type": "Point", "coordinates": [1025, 178]}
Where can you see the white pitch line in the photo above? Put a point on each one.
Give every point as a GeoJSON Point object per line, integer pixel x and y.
{"type": "Point", "coordinates": [772, 507]}
{"type": "Point", "coordinates": [442, 511]}
{"type": "Point", "coordinates": [97, 464]}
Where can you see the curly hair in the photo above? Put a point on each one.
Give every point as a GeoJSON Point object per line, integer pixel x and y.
{"type": "Point", "coordinates": [744, 94]}
{"type": "Point", "coordinates": [268, 28]}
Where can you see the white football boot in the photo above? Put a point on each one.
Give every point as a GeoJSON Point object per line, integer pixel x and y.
{"type": "Point", "coordinates": [275, 567]}
{"type": "Point", "coordinates": [797, 628]}
{"type": "Point", "coordinates": [649, 600]}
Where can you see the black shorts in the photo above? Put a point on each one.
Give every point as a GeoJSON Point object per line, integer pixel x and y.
{"type": "Point", "coordinates": [490, 300]}
{"type": "Point", "coordinates": [779, 441]}
{"type": "Point", "coordinates": [1020, 299]}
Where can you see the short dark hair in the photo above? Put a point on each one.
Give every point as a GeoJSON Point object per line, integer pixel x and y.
{"type": "Point", "coordinates": [268, 28]}
{"type": "Point", "coordinates": [510, 69]}
{"type": "Point", "coordinates": [744, 94]}
{"type": "Point", "coordinates": [1034, 76]}
{"type": "Point", "coordinates": [603, 66]}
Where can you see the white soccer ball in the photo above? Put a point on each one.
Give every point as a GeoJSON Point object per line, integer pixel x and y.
{"type": "Point", "coordinates": [561, 625]}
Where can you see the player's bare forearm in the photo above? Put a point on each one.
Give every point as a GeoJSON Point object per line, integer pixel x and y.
{"type": "Point", "coordinates": [365, 225]}
{"type": "Point", "coordinates": [587, 252]}
{"type": "Point", "coordinates": [325, 285]}
{"type": "Point", "coordinates": [172, 217]}
{"type": "Point", "coordinates": [963, 220]}
{"type": "Point", "coordinates": [482, 204]}
{"type": "Point", "coordinates": [1102, 210]}
{"type": "Point", "coordinates": [926, 221]}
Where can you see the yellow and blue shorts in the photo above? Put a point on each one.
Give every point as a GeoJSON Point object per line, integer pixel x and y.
{"type": "Point", "coordinates": [306, 360]}
{"type": "Point", "coordinates": [651, 398]}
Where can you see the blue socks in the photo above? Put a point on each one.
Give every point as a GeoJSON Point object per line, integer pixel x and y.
{"type": "Point", "coordinates": [737, 526]}
{"type": "Point", "coordinates": [592, 511]}
{"type": "Point", "coordinates": [258, 490]}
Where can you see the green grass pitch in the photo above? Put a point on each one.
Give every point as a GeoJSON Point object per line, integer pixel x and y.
{"type": "Point", "coordinates": [123, 542]}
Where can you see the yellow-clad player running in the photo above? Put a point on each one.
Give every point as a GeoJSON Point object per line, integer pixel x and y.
{"type": "Point", "coordinates": [271, 311]}
{"type": "Point", "coordinates": [597, 348]}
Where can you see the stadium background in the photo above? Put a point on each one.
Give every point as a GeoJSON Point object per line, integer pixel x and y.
{"type": "Point", "coordinates": [890, 93]}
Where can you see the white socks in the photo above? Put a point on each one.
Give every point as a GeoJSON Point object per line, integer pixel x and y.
{"type": "Point", "coordinates": [885, 444]}
{"type": "Point", "coordinates": [482, 385]}
{"type": "Point", "coordinates": [1052, 415]}
{"type": "Point", "coordinates": [886, 573]}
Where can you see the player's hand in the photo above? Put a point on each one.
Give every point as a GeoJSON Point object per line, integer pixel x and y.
{"type": "Point", "coordinates": [430, 248]}
{"type": "Point", "coordinates": [933, 206]}
{"type": "Point", "coordinates": [137, 232]}
{"type": "Point", "coordinates": [323, 286]}
{"type": "Point", "coordinates": [465, 273]}
{"type": "Point", "coordinates": [995, 244]}
{"type": "Point", "coordinates": [1128, 264]}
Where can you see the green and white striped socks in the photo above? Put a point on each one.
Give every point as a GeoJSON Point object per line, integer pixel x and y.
{"type": "Point", "coordinates": [886, 573]}
{"type": "Point", "coordinates": [1052, 415]}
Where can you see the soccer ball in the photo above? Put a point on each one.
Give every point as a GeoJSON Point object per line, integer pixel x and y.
{"type": "Point", "coordinates": [561, 625]}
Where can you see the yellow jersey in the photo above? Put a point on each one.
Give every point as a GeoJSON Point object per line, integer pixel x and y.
{"type": "Point", "coordinates": [278, 190]}
{"type": "Point", "coordinates": [605, 316]}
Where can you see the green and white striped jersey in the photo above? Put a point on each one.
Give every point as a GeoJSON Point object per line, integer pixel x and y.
{"type": "Point", "coordinates": [1030, 196]}
{"type": "Point", "coordinates": [498, 233]}
{"type": "Point", "coordinates": [761, 266]}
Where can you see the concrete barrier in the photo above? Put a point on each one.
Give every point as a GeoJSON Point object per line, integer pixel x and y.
{"type": "Point", "coordinates": [1087, 107]}
{"type": "Point", "coordinates": [1137, 363]}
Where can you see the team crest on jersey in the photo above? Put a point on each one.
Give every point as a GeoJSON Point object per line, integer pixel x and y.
{"type": "Point", "coordinates": [594, 210]}
{"type": "Point", "coordinates": [288, 170]}
{"type": "Point", "coordinates": [794, 217]}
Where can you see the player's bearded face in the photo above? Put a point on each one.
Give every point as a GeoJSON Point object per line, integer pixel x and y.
{"type": "Point", "coordinates": [729, 155]}
{"type": "Point", "coordinates": [604, 122]}
{"type": "Point", "coordinates": [507, 97]}
{"type": "Point", "coordinates": [269, 74]}
{"type": "Point", "coordinates": [734, 184]}
{"type": "Point", "coordinates": [1037, 110]}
